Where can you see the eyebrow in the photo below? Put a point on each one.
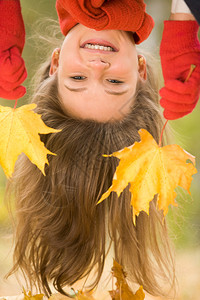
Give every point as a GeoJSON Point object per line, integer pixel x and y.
{"type": "Point", "coordinates": [107, 91]}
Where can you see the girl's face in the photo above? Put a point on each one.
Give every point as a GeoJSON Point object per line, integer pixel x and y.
{"type": "Point", "coordinates": [97, 73]}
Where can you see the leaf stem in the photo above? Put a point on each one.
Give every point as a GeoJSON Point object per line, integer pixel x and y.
{"type": "Point", "coordinates": [15, 104]}
{"type": "Point", "coordinates": [192, 67]}
{"type": "Point", "coordinates": [160, 141]}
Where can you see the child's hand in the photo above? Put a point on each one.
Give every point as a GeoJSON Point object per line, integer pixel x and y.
{"type": "Point", "coordinates": [179, 50]}
{"type": "Point", "coordinates": [13, 94]}
{"type": "Point", "coordinates": [179, 98]}
{"type": "Point", "coordinates": [12, 74]}
{"type": "Point", "coordinates": [12, 39]}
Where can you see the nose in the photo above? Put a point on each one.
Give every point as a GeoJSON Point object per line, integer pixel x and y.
{"type": "Point", "coordinates": [98, 65]}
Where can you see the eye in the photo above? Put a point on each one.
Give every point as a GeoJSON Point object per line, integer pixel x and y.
{"type": "Point", "coordinates": [78, 78]}
{"type": "Point", "coordinates": [115, 81]}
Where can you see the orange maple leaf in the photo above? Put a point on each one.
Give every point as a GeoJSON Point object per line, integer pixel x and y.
{"type": "Point", "coordinates": [123, 291]}
{"type": "Point", "coordinates": [84, 296]}
{"type": "Point", "coordinates": [150, 170]}
{"type": "Point", "coordinates": [19, 132]}
{"type": "Point", "coordinates": [29, 296]}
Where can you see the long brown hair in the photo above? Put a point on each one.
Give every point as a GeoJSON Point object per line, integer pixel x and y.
{"type": "Point", "coordinates": [61, 234]}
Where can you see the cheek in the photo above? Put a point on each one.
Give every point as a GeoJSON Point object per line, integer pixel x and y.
{"type": "Point", "coordinates": [65, 63]}
{"type": "Point", "coordinates": [130, 59]}
{"type": "Point", "coordinates": [131, 64]}
{"type": "Point", "coordinates": [127, 67]}
{"type": "Point", "coordinates": [69, 58]}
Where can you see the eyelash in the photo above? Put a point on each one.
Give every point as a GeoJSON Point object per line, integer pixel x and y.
{"type": "Point", "coordinates": [113, 81]}
{"type": "Point", "coordinates": [78, 78]}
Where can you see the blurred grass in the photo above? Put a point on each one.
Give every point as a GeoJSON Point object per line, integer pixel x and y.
{"type": "Point", "coordinates": [184, 220]}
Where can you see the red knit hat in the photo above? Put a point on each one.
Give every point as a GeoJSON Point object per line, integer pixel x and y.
{"type": "Point", "coordinates": [127, 15]}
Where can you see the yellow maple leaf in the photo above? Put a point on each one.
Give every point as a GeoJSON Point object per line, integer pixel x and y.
{"type": "Point", "coordinates": [19, 132]}
{"type": "Point", "coordinates": [31, 297]}
{"type": "Point", "coordinates": [123, 290]}
{"type": "Point", "coordinates": [150, 170]}
{"type": "Point", "coordinates": [139, 295]}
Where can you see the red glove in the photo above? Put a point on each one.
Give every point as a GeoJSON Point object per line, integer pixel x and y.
{"type": "Point", "coordinates": [12, 39]}
{"type": "Point", "coordinates": [179, 50]}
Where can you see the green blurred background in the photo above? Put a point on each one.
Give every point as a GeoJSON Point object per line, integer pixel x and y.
{"type": "Point", "coordinates": [184, 221]}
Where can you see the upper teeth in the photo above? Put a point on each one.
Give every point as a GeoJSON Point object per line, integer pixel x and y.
{"type": "Point", "coordinates": [98, 47]}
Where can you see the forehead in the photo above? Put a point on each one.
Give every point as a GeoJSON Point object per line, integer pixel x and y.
{"type": "Point", "coordinates": [96, 105]}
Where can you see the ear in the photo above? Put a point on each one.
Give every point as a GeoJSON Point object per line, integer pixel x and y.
{"type": "Point", "coordinates": [54, 61]}
{"type": "Point", "coordinates": [142, 67]}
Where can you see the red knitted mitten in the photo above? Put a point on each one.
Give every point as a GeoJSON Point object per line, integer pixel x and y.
{"type": "Point", "coordinates": [12, 39]}
{"type": "Point", "coordinates": [179, 50]}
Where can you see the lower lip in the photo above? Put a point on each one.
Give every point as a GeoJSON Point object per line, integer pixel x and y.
{"type": "Point", "coordinates": [99, 42]}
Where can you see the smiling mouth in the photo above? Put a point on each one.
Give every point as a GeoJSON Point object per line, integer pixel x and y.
{"type": "Point", "coordinates": [99, 45]}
